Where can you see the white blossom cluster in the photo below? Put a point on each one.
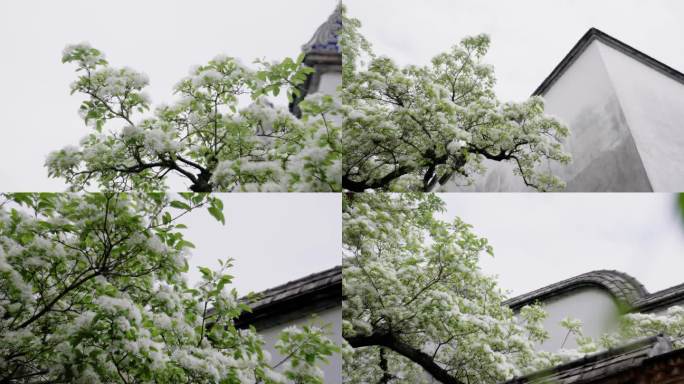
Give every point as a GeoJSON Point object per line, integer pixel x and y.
{"type": "Point", "coordinates": [205, 136]}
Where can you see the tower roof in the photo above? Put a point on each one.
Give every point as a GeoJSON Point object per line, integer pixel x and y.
{"type": "Point", "coordinates": [325, 39]}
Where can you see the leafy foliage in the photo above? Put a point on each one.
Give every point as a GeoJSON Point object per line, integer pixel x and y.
{"type": "Point", "coordinates": [92, 289]}
{"type": "Point", "coordinates": [420, 127]}
{"type": "Point", "coordinates": [205, 137]}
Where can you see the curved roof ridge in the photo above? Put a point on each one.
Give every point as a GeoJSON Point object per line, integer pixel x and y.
{"type": "Point", "coordinates": [626, 289]}
{"type": "Point", "coordinates": [596, 34]}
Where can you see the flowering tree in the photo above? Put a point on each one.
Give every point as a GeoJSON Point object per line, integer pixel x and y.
{"type": "Point", "coordinates": [92, 289]}
{"type": "Point", "coordinates": [415, 302]}
{"type": "Point", "coordinates": [205, 137]}
{"type": "Point", "coordinates": [420, 127]}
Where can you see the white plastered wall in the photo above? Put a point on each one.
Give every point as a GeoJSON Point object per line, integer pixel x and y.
{"type": "Point", "coordinates": [653, 104]}
{"type": "Point", "coordinates": [332, 316]}
{"type": "Point", "coordinates": [595, 307]}
{"type": "Point", "coordinates": [329, 83]}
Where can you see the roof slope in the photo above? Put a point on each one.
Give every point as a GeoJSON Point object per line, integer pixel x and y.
{"type": "Point", "coordinates": [596, 34]}
{"type": "Point", "coordinates": [661, 300]}
{"type": "Point", "coordinates": [313, 292]}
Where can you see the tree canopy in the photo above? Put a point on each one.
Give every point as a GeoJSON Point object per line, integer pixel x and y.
{"type": "Point", "coordinates": [415, 300]}
{"type": "Point", "coordinates": [92, 289]}
{"type": "Point", "coordinates": [416, 307]}
{"type": "Point", "coordinates": [206, 137]}
{"type": "Point", "coordinates": [418, 128]}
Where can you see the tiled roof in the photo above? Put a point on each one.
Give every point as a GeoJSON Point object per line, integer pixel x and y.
{"type": "Point", "coordinates": [595, 34]}
{"type": "Point", "coordinates": [660, 300]}
{"type": "Point", "coordinates": [623, 287]}
{"type": "Point", "coordinates": [299, 287]}
{"type": "Point", "coordinates": [316, 291]}
{"type": "Point", "coordinates": [619, 365]}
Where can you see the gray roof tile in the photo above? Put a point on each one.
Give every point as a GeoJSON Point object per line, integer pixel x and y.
{"type": "Point", "coordinates": [298, 287]}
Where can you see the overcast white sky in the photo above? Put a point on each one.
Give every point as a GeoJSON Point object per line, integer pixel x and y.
{"type": "Point", "coordinates": [529, 37]}
{"type": "Point", "coordinates": [274, 238]}
{"type": "Point", "coordinates": [162, 38]}
{"type": "Point", "coordinates": [540, 239]}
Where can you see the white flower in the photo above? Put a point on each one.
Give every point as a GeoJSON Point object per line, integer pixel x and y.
{"type": "Point", "coordinates": [223, 173]}
{"type": "Point", "coordinates": [155, 244]}
{"type": "Point", "coordinates": [160, 142]}
{"type": "Point", "coordinates": [455, 145]}
{"type": "Point", "coordinates": [207, 76]}
{"type": "Point", "coordinates": [66, 158]}
{"type": "Point", "coordinates": [131, 132]}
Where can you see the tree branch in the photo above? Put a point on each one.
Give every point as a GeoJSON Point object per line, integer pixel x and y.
{"type": "Point", "coordinates": [419, 357]}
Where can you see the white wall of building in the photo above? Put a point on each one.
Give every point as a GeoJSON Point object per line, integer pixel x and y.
{"type": "Point", "coordinates": [329, 83]}
{"type": "Point", "coordinates": [653, 104]}
{"type": "Point", "coordinates": [604, 154]}
{"type": "Point", "coordinates": [333, 317]}
{"type": "Point", "coordinates": [595, 307]}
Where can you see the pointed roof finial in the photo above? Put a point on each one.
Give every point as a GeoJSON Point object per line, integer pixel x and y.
{"type": "Point", "coordinates": [325, 39]}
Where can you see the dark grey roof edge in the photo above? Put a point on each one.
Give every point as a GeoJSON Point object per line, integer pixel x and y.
{"type": "Point", "coordinates": [312, 293]}
{"type": "Point", "coordinates": [289, 290]}
{"type": "Point", "coordinates": [661, 300]}
{"type": "Point", "coordinates": [626, 289]}
{"type": "Point", "coordinates": [596, 34]}
{"type": "Point", "coordinates": [657, 346]}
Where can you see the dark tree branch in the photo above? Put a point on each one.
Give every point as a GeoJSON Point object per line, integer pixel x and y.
{"type": "Point", "coordinates": [419, 357]}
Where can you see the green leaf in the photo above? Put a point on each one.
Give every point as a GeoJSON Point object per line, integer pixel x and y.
{"type": "Point", "coordinates": [206, 272]}
{"type": "Point", "coordinates": [186, 244]}
{"type": "Point", "coordinates": [180, 205]}
{"type": "Point", "coordinates": [225, 279]}
{"type": "Point", "coordinates": [218, 203]}
{"type": "Point", "coordinates": [218, 214]}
